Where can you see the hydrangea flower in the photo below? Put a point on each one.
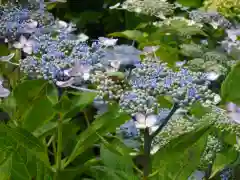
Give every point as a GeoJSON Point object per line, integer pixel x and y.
{"type": "Point", "coordinates": [233, 112]}
{"type": "Point", "coordinates": [3, 91]}
{"type": "Point", "coordinates": [24, 44]}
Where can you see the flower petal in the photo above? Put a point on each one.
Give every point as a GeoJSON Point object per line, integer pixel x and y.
{"type": "Point", "coordinates": [107, 42]}
{"type": "Point", "coordinates": [235, 117]}
{"type": "Point", "coordinates": [86, 76]}
{"type": "Point", "coordinates": [61, 24]}
{"type": "Point", "coordinates": [115, 6]}
{"type": "Point", "coordinates": [4, 92]}
{"type": "Point", "coordinates": [7, 58]}
{"type": "Point", "coordinates": [65, 83]}
{"type": "Point", "coordinates": [212, 76]}
{"type": "Point", "coordinates": [33, 24]}
{"type": "Point", "coordinates": [140, 118]}
{"type": "Point", "coordinates": [197, 175]}
{"type": "Point", "coordinates": [151, 120]}
{"type": "Point", "coordinates": [82, 37]}
{"type": "Point", "coordinates": [217, 99]}
{"type": "Point", "coordinates": [231, 107]}
{"type": "Point", "coordinates": [115, 64]}
{"type": "Point", "coordinates": [22, 40]}
{"type": "Point", "coordinates": [28, 49]}
{"type": "Point", "coordinates": [18, 45]}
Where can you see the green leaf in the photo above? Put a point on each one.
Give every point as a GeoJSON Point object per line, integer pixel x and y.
{"type": "Point", "coordinates": [118, 75]}
{"type": "Point", "coordinates": [79, 102]}
{"type": "Point", "coordinates": [52, 93]}
{"type": "Point", "coordinates": [103, 124]}
{"type": "Point", "coordinates": [26, 92]}
{"type": "Point", "coordinates": [198, 110]}
{"type": "Point", "coordinates": [115, 161]}
{"type": "Point", "coordinates": [22, 138]}
{"type": "Point", "coordinates": [131, 34]}
{"type": "Point", "coordinates": [193, 3]}
{"type": "Point", "coordinates": [52, 5]}
{"type": "Point", "coordinates": [13, 167]}
{"type": "Point", "coordinates": [43, 173]}
{"type": "Point", "coordinates": [223, 159]}
{"type": "Point", "coordinates": [4, 51]}
{"type": "Point", "coordinates": [181, 156]}
{"type": "Point", "coordinates": [231, 87]}
{"type": "Point", "coordinates": [168, 54]}
{"type": "Point", "coordinates": [69, 107]}
{"type": "Point", "coordinates": [48, 128]}
{"type": "Point", "coordinates": [40, 113]}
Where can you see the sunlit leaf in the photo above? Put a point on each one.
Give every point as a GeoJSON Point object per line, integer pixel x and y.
{"type": "Point", "coordinates": [130, 34]}
{"type": "Point", "coordinates": [231, 87]}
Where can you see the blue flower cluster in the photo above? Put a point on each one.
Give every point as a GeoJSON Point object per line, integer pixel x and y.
{"type": "Point", "coordinates": [116, 72]}
{"type": "Point", "coordinates": [17, 19]}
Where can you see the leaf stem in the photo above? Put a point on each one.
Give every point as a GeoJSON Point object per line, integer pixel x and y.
{"type": "Point", "coordinates": [86, 118]}
{"type": "Point", "coordinates": [147, 148]}
{"type": "Point", "coordinates": [148, 142]}
{"type": "Point", "coordinates": [165, 121]}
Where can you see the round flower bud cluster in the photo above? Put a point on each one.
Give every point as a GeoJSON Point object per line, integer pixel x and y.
{"type": "Point", "coordinates": [175, 127]}
{"type": "Point", "coordinates": [192, 50]}
{"type": "Point", "coordinates": [212, 18]}
{"type": "Point", "coordinates": [108, 88]}
{"type": "Point", "coordinates": [180, 25]}
{"type": "Point", "coordinates": [213, 146]}
{"type": "Point", "coordinates": [215, 56]}
{"type": "Point", "coordinates": [186, 87]}
{"type": "Point", "coordinates": [199, 64]}
{"type": "Point", "coordinates": [16, 19]}
{"type": "Point", "coordinates": [138, 101]}
{"type": "Point", "coordinates": [158, 8]}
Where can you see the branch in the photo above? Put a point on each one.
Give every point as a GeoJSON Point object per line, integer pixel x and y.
{"type": "Point", "coordinates": [165, 121]}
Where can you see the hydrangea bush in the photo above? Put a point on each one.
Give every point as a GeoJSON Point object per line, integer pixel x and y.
{"type": "Point", "coordinates": [82, 108]}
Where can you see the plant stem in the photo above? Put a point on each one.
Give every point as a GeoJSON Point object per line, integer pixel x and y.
{"type": "Point", "coordinates": [59, 145]}
{"type": "Point", "coordinates": [147, 148]}
{"type": "Point", "coordinates": [86, 118]}
{"type": "Point", "coordinates": [148, 142]}
{"type": "Point", "coordinates": [165, 121]}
